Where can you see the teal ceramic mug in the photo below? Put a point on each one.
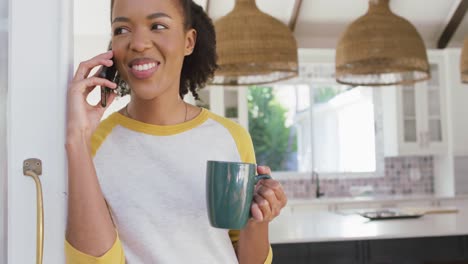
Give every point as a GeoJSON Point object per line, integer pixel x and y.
{"type": "Point", "coordinates": [229, 192]}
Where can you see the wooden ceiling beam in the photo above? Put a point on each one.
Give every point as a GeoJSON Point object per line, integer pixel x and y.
{"type": "Point", "coordinates": [453, 24]}
{"type": "Point", "coordinates": [295, 15]}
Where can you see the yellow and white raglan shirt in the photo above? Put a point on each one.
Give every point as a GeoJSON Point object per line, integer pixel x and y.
{"type": "Point", "coordinates": [153, 179]}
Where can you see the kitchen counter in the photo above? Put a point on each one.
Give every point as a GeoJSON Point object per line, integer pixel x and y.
{"type": "Point", "coordinates": [375, 199]}
{"type": "Point", "coordinates": [298, 224]}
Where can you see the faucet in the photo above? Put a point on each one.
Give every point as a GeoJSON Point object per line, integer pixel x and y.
{"type": "Point", "coordinates": [315, 177]}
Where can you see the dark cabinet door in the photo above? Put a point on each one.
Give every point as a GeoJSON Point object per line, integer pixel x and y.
{"type": "Point", "coordinates": [291, 254]}
{"type": "Point", "coordinates": [335, 252]}
{"type": "Point", "coordinates": [317, 253]}
{"type": "Point", "coordinates": [416, 250]}
{"type": "Point", "coordinates": [429, 250]}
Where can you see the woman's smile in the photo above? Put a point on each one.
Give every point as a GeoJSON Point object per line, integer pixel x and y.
{"type": "Point", "coordinates": [143, 68]}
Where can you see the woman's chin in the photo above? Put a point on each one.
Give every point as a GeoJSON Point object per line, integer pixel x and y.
{"type": "Point", "coordinates": [145, 93]}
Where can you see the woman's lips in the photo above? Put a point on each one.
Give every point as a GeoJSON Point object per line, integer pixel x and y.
{"type": "Point", "coordinates": [143, 68]}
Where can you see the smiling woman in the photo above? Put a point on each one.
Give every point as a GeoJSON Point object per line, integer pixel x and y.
{"type": "Point", "coordinates": [126, 173]}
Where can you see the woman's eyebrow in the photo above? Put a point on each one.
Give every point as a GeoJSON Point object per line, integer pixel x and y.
{"type": "Point", "coordinates": [149, 17]}
{"type": "Point", "coordinates": [158, 15]}
{"type": "Point", "coordinates": [120, 19]}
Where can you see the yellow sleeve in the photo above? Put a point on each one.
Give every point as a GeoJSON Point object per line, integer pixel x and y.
{"type": "Point", "coordinates": [115, 255]}
{"type": "Point", "coordinates": [103, 130]}
{"type": "Point", "coordinates": [234, 235]}
{"type": "Point", "coordinates": [269, 258]}
{"type": "Point", "coordinates": [247, 154]}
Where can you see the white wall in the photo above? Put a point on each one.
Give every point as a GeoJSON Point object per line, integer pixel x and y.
{"type": "Point", "coordinates": [450, 171]}
{"type": "Point", "coordinates": [458, 123]}
{"type": "Point", "coordinates": [3, 96]}
{"type": "Point", "coordinates": [3, 161]}
{"type": "Point", "coordinates": [458, 96]}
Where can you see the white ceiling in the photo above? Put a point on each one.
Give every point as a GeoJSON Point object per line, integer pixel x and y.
{"type": "Point", "coordinates": [319, 24]}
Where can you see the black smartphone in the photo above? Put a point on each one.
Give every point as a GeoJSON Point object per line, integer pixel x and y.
{"type": "Point", "coordinates": [108, 73]}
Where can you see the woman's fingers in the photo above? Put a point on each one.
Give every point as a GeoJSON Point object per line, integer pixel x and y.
{"type": "Point", "coordinates": [277, 189]}
{"type": "Point", "coordinates": [269, 197]}
{"type": "Point", "coordinates": [85, 67]}
{"type": "Point", "coordinates": [264, 207]}
{"type": "Point", "coordinates": [80, 114]}
{"type": "Point", "coordinates": [85, 86]}
{"type": "Point", "coordinates": [263, 170]}
{"type": "Point", "coordinates": [274, 204]}
{"type": "Point", "coordinates": [257, 214]}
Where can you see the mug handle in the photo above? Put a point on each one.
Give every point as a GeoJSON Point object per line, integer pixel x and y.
{"type": "Point", "coordinates": [261, 176]}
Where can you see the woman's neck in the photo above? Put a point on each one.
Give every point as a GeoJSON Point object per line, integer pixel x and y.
{"type": "Point", "coordinates": [159, 111]}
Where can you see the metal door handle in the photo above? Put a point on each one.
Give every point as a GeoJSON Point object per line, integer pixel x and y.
{"type": "Point", "coordinates": [33, 168]}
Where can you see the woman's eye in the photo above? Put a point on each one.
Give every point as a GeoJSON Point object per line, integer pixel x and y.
{"type": "Point", "coordinates": [158, 27]}
{"type": "Point", "coordinates": [119, 31]}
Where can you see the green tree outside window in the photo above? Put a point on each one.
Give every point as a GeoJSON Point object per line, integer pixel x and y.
{"type": "Point", "coordinates": [274, 142]}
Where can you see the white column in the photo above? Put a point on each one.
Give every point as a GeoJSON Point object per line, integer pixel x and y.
{"type": "Point", "coordinates": [243, 107]}
{"type": "Point", "coordinates": [217, 99]}
{"type": "Point", "coordinates": [449, 176]}
{"type": "Point", "coordinates": [40, 65]}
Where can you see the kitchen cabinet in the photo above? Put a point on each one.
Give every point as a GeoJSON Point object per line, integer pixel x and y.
{"type": "Point", "coordinates": [436, 250]}
{"type": "Point", "coordinates": [324, 252]}
{"type": "Point", "coordinates": [330, 231]}
{"type": "Point", "coordinates": [414, 115]}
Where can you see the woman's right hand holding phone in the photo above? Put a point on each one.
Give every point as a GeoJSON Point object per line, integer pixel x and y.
{"type": "Point", "coordinates": [83, 118]}
{"type": "Point", "coordinates": [89, 224]}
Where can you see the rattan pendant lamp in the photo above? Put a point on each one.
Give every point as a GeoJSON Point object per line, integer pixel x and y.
{"type": "Point", "coordinates": [464, 62]}
{"type": "Point", "coordinates": [381, 48]}
{"type": "Point", "coordinates": [253, 47]}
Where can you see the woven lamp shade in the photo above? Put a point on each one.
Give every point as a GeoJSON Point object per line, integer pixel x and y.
{"type": "Point", "coordinates": [464, 62]}
{"type": "Point", "coordinates": [253, 47]}
{"type": "Point", "coordinates": [381, 48]}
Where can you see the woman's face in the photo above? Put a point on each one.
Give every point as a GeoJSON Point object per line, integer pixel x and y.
{"type": "Point", "coordinates": [149, 43]}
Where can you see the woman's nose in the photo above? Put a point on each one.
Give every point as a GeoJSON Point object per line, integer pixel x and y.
{"type": "Point", "coordinates": [140, 41]}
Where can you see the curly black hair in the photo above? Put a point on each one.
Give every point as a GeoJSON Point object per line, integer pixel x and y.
{"type": "Point", "coordinates": [198, 68]}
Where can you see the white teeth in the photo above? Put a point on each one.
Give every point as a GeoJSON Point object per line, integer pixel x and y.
{"type": "Point", "coordinates": [144, 67]}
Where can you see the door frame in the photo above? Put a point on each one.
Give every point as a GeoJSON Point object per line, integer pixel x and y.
{"type": "Point", "coordinates": [40, 64]}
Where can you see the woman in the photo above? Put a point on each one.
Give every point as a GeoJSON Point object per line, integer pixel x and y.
{"type": "Point", "coordinates": [136, 180]}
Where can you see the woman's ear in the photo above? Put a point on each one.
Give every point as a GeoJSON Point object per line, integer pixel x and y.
{"type": "Point", "coordinates": [190, 41]}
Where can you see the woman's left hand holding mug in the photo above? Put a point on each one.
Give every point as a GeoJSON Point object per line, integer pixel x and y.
{"type": "Point", "coordinates": [269, 198]}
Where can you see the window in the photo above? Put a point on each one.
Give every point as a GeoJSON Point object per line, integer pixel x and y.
{"type": "Point", "coordinates": [325, 127]}
{"type": "Point", "coordinates": [271, 126]}
{"type": "Point", "coordinates": [343, 129]}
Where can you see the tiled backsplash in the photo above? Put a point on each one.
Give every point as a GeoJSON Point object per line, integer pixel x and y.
{"type": "Point", "coordinates": [403, 176]}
